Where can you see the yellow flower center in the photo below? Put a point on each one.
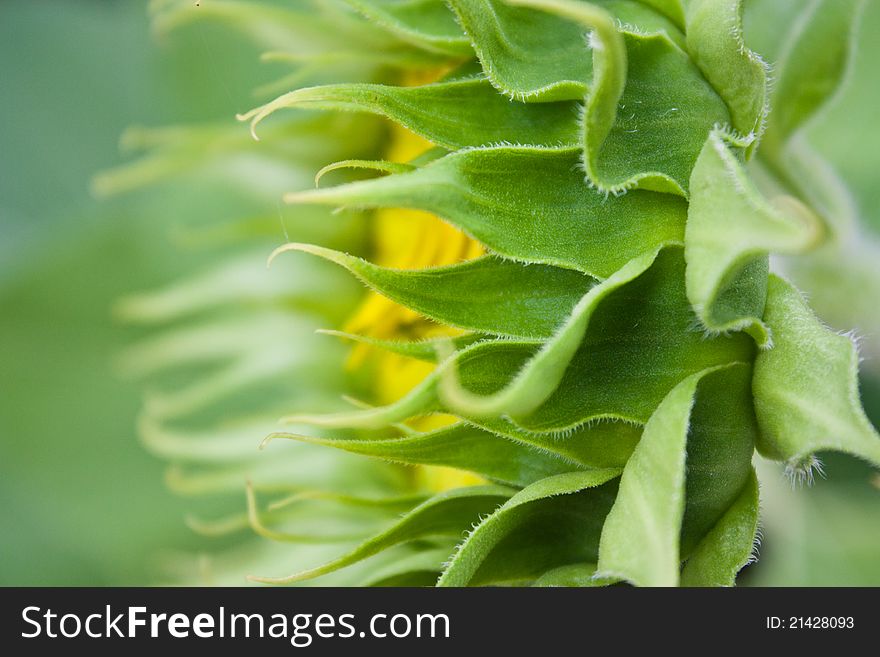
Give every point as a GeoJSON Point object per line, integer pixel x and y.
{"type": "Point", "coordinates": [409, 239]}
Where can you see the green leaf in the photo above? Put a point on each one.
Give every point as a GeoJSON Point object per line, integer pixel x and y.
{"type": "Point", "coordinates": [672, 9]}
{"type": "Point", "coordinates": [715, 43]}
{"type": "Point", "coordinates": [815, 181]}
{"type": "Point", "coordinates": [460, 446]}
{"type": "Point", "coordinates": [638, 346]}
{"type": "Point", "coordinates": [304, 467]}
{"type": "Point", "coordinates": [536, 50]}
{"type": "Point", "coordinates": [273, 26]}
{"type": "Point", "coordinates": [573, 575]}
{"type": "Point", "coordinates": [358, 527]}
{"type": "Point", "coordinates": [447, 514]}
{"type": "Point", "coordinates": [729, 545]}
{"type": "Point", "coordinates": [528, 54]}
{"type": "Point", "coordinates": [344, 509]}
{"type": "Point", "coordinates": [609, 55]}
{"type": "Point", "coordinates": [421, 568]}
{"type": "Point", "coordinates": [241, 279]}
{"type": "Point", "coordinates": [813, 63]}
{"type": "Point", "coordinates": [538, 378]}
{"type": "Point", "coordinates": [648, 17]}
{"type": "Point", "coordinates": [219, 444]}
{"type": "Point", "coordinates": [426, 24]}
{"type": "Point", "coordinates": [640, 538]}
{"type": "Point", "coordinates": [731, 229]}
{"type": "Point", "coordinates": [842, 282]}
{"type": "Point", "coordinates": [664, 115]}
{"type": "Point", "coordinates": [766, 21]}
{"type": "Point", "coordinates": [642, 127]}
{"type": "Point", "coordinates": [806, 387]}
{"type": "Point", "coordinates": [663, 508]}
{"type": "Point", "coordinates": [720, 448]}
{"type": "Point", "coordinates": [419, 349]}
{"type": "Point", "coordinates": [215, 151]}
{"type": "Point", "coordinates": [597, 445]}
{"type": "Point", "coordinates": [230, 356]}
{"type": "Point", "coordinates": [508, 545]}
{"type": "Point", "coordinates": [370, 165]}
{"type": "Point", "coordinates": [345, 61]}
{"type": "Point", "coordinates": [453, 113]}
{"type": "Point", "coordinates": [643, 327]}
{"type": "Point", "coordinates": [486, 294]}
{"type": "Point", "coordinates": [493, 195]}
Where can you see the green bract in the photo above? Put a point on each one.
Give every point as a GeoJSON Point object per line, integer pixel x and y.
{"type": "Point", "coordinates": [625, 348]}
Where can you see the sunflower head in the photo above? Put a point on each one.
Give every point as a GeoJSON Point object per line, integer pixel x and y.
{"type": "Point", "coordinates": [571, 327]}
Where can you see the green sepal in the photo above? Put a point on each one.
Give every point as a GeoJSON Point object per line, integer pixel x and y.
{"type": "Point", "coordinates": [806, 388]}
{"type": "Point", "coordinates": [551, 523]}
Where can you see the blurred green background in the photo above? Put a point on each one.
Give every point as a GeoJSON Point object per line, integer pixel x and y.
{"type": "Point", "coordinates": [82, 502]}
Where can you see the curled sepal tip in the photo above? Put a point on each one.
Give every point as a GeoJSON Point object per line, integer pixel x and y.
{"type": "Point", "coordinates": [447, 514]}
{"type": "Point", "coordinates": [806, 388]}
{"type": "Point", "coordinates": [716, 44]}
{"type": "Point", "coordinates": [541, 375]}
{"type": "Point", "coordinates": [731, 231]}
